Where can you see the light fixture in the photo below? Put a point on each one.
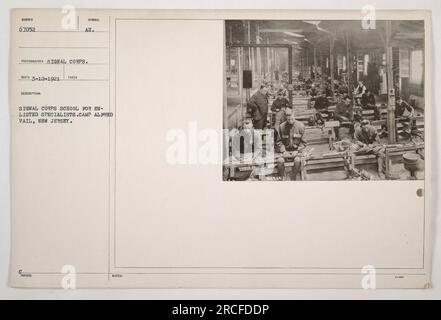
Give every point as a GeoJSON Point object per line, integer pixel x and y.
{"type": "Point", "coordinates": [292, 42]}
{"type": "Point", "coordinates": [316, 24]}
{"type": "Point", "coordinates": [297, 35]}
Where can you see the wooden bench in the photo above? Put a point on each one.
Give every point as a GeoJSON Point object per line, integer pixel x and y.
{"type": "Point", "coordinates": [336, 161]}
{"type": "Point", "coordinates": [325, 162]}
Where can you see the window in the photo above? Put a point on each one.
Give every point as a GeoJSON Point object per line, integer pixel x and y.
{"type": "Point", "coordinates": [365, 64]}
{"type": "Point", "coordinates": [416, 66]}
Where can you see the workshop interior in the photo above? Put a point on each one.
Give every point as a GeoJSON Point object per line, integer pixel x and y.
{"type": "Point", "coordinates": [324, 100]}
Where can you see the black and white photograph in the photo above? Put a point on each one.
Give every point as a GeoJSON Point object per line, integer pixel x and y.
{"type": "Point", "coordinates": [324, 100]}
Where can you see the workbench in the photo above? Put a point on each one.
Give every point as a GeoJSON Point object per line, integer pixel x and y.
{"type": "Point", "coordinates": [325, 162]}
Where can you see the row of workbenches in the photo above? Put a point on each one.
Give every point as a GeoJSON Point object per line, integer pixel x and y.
{"type": "Point", "coordinates": [349, 161]}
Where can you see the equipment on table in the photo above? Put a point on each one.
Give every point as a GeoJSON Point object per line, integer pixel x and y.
{"type": "Point", "coordinates": [410, 161]}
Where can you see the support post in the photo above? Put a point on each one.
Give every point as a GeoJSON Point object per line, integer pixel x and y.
{"type": "Point", "coordinates": [391, 126]}
{"type": "Point", "coordinates": [229, 48]}
{"type": "Point", "coordinates": [322, 67]}
{"type": "Point", "coordinates": [348, 65]}
{"type": "Point", "coordinates": [258, 53]}
{"type": "Point", "coordinates": [239, 67]}
{"type": "Point", "coordinates": [249, 41]}
{"type": "Point", "coordinates": [268, 59]}
{"type": "Point", "coordinates": [331, 62]}
{"type": "Point", "coordinates": [273, 65]}
{"type": "Point", "coordinates": [308, 70]}
{"type": "Point", "coordinates": [315, 62]}
{"type": "Point", "coordinates": [225, 106]}
{"type": "Point", "coordinates": [248, 61]}
{"type": "Point", "coordinates": [290, 75]}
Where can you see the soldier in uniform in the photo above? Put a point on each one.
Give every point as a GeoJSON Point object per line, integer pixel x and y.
{"type": "Point", "coordinates": [279, 107]}
{"type": "Point", "coordinates": [290, 139]}
{"type": "Point", "coordinates": [258, 105]}
{"type": "Point", "coordinates": [367, 138]}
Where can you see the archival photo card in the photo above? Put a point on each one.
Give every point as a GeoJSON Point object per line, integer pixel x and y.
{"type": "Point", "coordinates": [129, 126]}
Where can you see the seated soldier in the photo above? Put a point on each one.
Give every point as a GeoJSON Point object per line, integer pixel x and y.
{"type": "Point", "coordinates": [359, 91]}
{"type": "Point", "coordinates": [246, 148]}
{"type": "Point", "coordinates": [328, 90]}
{"type": "Point", "coordinates": [368, 103]}
{"type": "Point", "coordinates": [401, 107]}
{"type": "Point", "coordinates": [321, 106]}
{"type": "Point", "coordinates": [367, 138]}
{"type": "Point", "coordinates": [289, 138]}
{"type": "Point", "coordinates": [344, 112]}
{"type": "Point", "coordinates": [313, 91]}
{"type": "Point", "coordinates": [341, 88]}
{"type": "Point", "coordinates": [279, 107]}
{"type": "Point", "coordinates": [246, 143]}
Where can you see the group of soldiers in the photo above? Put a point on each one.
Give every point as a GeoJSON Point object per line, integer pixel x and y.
{"type": "Point", "coordinates": [289, 132]}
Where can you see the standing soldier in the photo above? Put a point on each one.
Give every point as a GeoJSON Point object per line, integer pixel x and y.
{"type": "Point", "coordinates": [258, 105]}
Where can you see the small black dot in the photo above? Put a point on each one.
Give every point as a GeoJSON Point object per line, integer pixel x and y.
{"type": "Point", "coordinates": [419, 192]}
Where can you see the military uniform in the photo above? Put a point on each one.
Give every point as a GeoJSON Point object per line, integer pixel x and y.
{"type": "Point", "coordinates": [279, 106]}
{"type": "Point", "coordinates": [401, 107]}
{"type": "Point", "coordinates": [367, 137]}
{"type": "Point", "coordinates": [321, 106]}
{"type": "Point", "coordinates": [258, 104]}
{"type": "Point", "coordinates": [370, 137]}
{"type": "Point", "coordinates": [290, 138]}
